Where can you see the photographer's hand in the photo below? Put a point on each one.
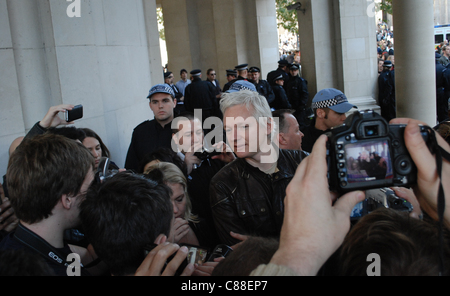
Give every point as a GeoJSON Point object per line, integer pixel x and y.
{"type": "Point", "coordinates": [51, 119]}
{"type": "Point", "coordinates": [427, 186]}
{"type": "Point", "coordinates": [157, 258]}
{"type": "Point", "coordinates": [313, 228]}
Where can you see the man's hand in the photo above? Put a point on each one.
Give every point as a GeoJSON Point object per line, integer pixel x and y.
{"type": "Point", "coordinates": [157, 258]}
{"type": "Point", "coordinates": [313, 229]}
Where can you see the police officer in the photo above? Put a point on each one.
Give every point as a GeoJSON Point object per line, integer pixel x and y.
{"type": "Point", "coordinates": [201, 95]}
{"type": "Point", "coordinates": [242, 72]}
{"type": "Point", "coordinates": [386, 92]}
{"type": "Point", "coordinates": [262, 86]}
{"type": "Point", "coordinates": [297, 92]}
{"type": "Point", "coordinates": [283, 69]}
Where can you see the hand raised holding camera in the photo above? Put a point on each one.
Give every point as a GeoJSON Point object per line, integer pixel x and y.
{"type": "Point", "coordinates": [51, 119]}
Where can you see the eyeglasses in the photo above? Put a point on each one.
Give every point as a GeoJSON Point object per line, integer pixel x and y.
{"type": "Point", "coordinates": [212, 74]}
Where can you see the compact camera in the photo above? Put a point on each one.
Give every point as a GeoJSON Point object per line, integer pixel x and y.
{"type": "Point", "coordinates": [366, 153]}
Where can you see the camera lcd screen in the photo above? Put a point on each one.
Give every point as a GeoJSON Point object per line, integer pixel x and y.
{"type": "Point", "coordinates": [368, 161]}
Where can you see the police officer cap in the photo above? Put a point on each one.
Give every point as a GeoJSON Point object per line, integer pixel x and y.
{"type": "Point", "coordinates": [161, 88]}
{"type": "Point", "coordinates": [254, 69]}
{"type": "Point", "coordinates": [278, 77]}
{"type": "Point", "coordinates": [283, 63]}
{"type": "Point", "coordinates": [333, 99]}
{"type": "Point", "coordinates": [387, 64]}
{"type": "Point", "coordinates": [167, 74]}
{"type": "Point", "coordinates": [241, 67]}
{"type": "Point", "coordinates": [231, 72]}
{"type": "Point", "coordinates": [241, 85]}
{"type": "Point", "coordinates": [294, 67]}
{"type": "Point", "coordinates": [196, 72]}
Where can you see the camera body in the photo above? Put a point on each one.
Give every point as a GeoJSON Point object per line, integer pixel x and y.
{"type": "Point", "coordinates": [380, 198]}
{"type": "Point", "coordinates": [366, 153]}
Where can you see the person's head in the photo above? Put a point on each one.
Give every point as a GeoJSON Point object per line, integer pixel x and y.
{"type": "Point", "coordinates": [254, 73]}
{"type": "Point", "coordinates": [242, 70]}
{"type": "Point", "coordinates": [330, 107]}
{"type": "Point", "coordinates": [174, 178]}
{"type": "Point", "coordinates": [283, 65]}
{"type": "Point", "coordinates": [294, 69]}
{"type": "Point", "coordinates": [48, 172]}
{"type": "Point", "coordinates": [277, 79]}
{"type": "Point", "coordinates": [446, 51]}
{"type": "Point", "coordinates": [289, 134]}
{"type": "Point", "coordinates": [247, 257]}
{"type": "Point", "coordinates": [124, 214]}
{"type": "Point", "coordinates": [197, 73]}
{"type": "Point", "coordinates": [168, 78]}
{"type": "Point", "coordinates": [14, 145]}
{"type": "Point", "coordinates": [162, 154]}
{"type": "Point", "coordinates": [187, 132]}
{"type": "Point", "coordinates": [380, 65]}
{"type": "Point", "coordinates": [248, 122]}
{"type": "Point", "coordinates": [95, 145]}
{"type": "Point", "coordinates": [387, 65]}
{"type": "Point", "coordinates": [211, 74]}
{"type": "Point", "coordinates": [231, 75]}
{"type": "Point", "coordinates": [406, 246]}
{"type": "Point", "coordinates": [70, 132]}
{"type": "Point", "coordinates": [183, 74]}
{"type": "Point", "coordinates": [162, 102]}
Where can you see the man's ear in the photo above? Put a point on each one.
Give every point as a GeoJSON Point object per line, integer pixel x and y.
{"type": "Point", "coordinates": [67, 201]}
{"type": "Point", "coordinates": [321, 113]}
{"type": "Point", "coordinates": [282, 139]}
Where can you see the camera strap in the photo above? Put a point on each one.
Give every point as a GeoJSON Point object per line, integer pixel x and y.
{"type": "Point", "coordinates": [440, 154]}
{"type": "Point", "coordinates": [39, 245]}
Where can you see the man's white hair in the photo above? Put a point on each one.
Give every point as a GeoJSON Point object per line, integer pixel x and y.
{"type": "Point", "coordinates": [253, 101]}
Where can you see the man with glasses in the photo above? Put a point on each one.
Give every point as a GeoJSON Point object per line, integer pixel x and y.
{"type": "Point", "coordinates": [211, 76]}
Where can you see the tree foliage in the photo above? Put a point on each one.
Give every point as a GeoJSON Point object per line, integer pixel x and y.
{"type": "Point", "coordinates": [386, 6]}
{"type": "Point", "coordinates": [287, 18]}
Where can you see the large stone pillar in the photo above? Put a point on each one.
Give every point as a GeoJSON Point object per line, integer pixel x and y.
{"type": "Point", "coordinates": [219, 34]}
{"type": "Point", "coordinates": [104, 57]}
{"type": "Point", "coordinates": [338, 49]}
{"type": "Point", "coordinates": [415, 78]}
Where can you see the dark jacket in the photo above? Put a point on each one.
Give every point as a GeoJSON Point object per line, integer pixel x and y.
{"type": "Point", "coordinates": [263, 87]}
{"type": "Point", "coordinates": [201, 95]}
{"type": "Point", "coordinates": [281, 100]}
{"type": "Point", "coordinates": [386, 94]}
{"type": "Point", "coordinates": [247, 201]}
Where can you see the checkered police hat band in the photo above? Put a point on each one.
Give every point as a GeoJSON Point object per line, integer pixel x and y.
{"type": "Point", "coordinates": [330, 103]}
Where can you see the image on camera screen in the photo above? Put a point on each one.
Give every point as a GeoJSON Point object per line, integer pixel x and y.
{"type": "Point", "coordinates": [368, 161]}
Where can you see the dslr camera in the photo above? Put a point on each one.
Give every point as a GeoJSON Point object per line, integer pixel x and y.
{"type": "Point", "coordinates": [366, 153]}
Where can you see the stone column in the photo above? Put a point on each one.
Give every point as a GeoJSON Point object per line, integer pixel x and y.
{"type": "Point", "coordinates": [415, 78]}
{"type": "Point", "coordinates": [338, 49]}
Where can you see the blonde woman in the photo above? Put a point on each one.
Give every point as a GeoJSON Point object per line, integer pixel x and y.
{"type": "Point", "coordinates": [187, 228]}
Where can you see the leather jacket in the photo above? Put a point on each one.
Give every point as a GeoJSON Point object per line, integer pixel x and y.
{"type": "Point", "coordinates": [247, 201]}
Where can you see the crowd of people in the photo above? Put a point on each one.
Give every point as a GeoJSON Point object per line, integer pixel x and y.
{"type": "Point", "coordinates": [386, 76]}
{"type": "Point", "coordinates": [260, 189]}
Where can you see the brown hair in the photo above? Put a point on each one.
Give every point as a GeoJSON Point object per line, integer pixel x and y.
{"type": "Point", "coordinates": [41, 170]}
{"type": "Point", "coordinates": [406, 246]}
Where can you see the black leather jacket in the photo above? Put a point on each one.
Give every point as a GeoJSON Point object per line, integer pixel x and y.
{"type": "Point", "coordinates": [247, 201]}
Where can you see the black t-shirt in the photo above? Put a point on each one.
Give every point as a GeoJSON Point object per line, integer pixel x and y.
{"type": "Point", "coordinates": [10, 243]}
{"type": "Point", "coordinates": [147, 137]}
